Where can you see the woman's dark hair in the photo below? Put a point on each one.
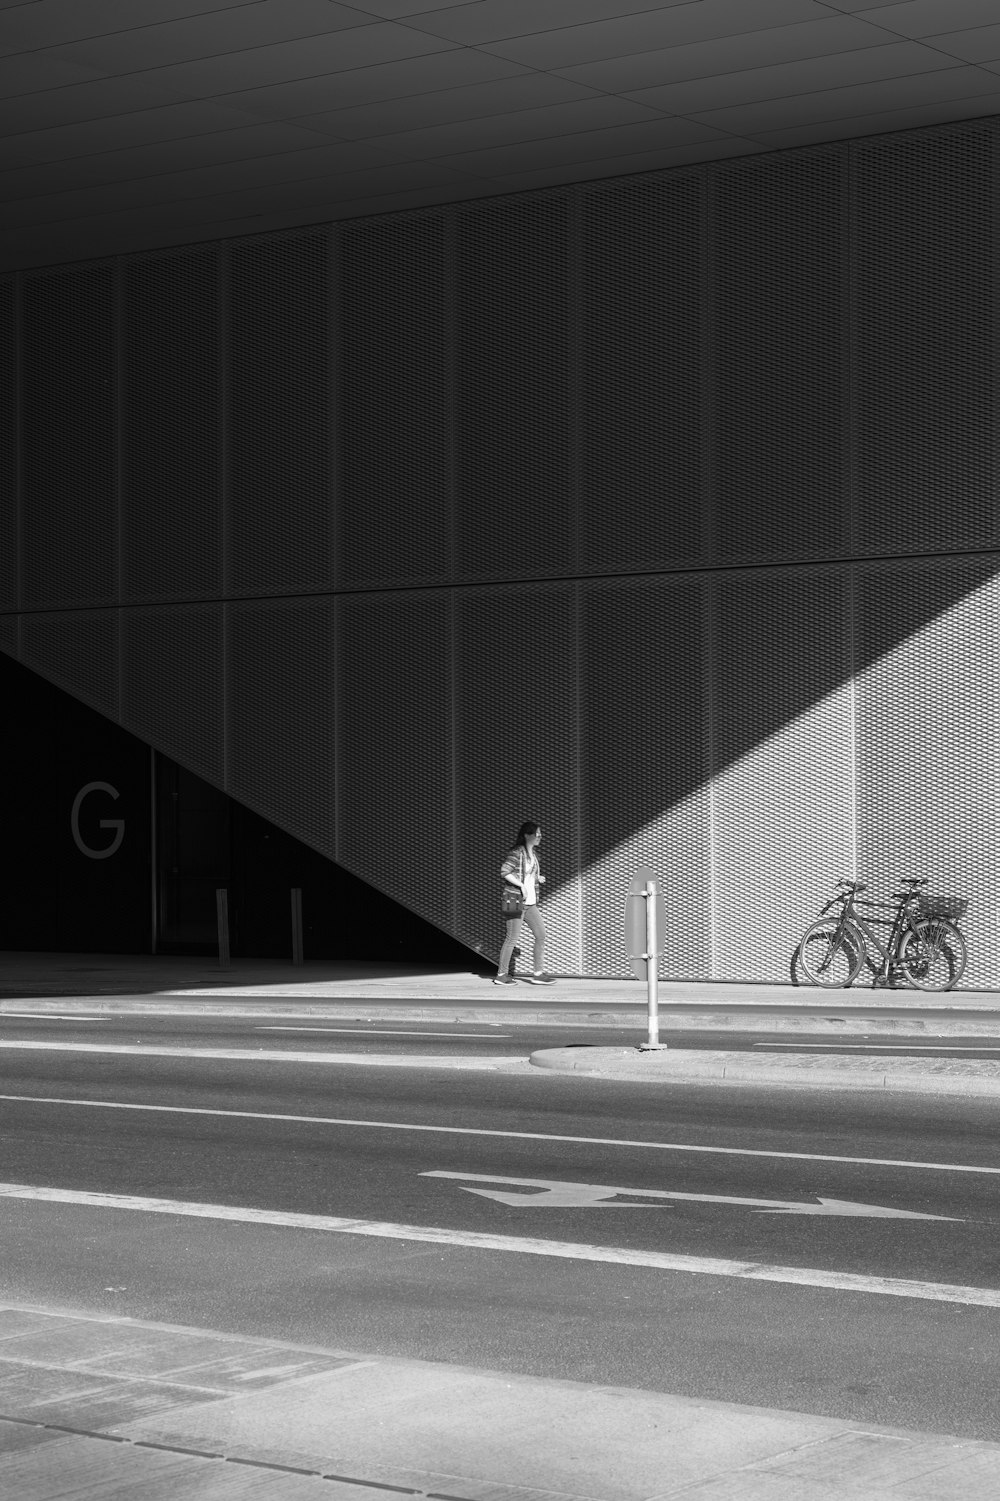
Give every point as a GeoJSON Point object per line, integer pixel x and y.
{"type": "Point", "coordinates": [526, 829]}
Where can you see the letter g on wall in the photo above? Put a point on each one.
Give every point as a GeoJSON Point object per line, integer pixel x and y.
{"type": "Point", "coordinates": [118, 824]}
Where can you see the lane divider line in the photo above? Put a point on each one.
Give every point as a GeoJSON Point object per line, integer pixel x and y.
{"type": "Point", "coordinates": [706, 1266]}
{"type": "Point", "coordinates": [48, 1016]}
{"type": "Point", "coordinates": [586, 1141]}
{"type": "Point", "coordinates": [380, 1032]}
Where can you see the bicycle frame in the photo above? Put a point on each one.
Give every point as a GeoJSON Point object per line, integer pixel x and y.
{"type": "Point", "coordinates": [902, 920]}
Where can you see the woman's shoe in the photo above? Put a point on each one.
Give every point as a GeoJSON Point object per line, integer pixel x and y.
{"type": "Point", "coordinates": [504, 980]}
{"type": "Point", "coordinates": [542, 979]}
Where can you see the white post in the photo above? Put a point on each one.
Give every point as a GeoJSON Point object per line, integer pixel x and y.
{"type": "Point", "coordinates": [652, 966]}
{"type": "Point", "coordinates": [652, 958]}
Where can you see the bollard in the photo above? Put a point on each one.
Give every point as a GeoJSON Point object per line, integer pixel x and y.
{"type": "Point", "coordinates": [297, 950]}
{"type": "Point", "coordinates": [222, 918]}
{"type": "Point", "coordinates": [652, 958]}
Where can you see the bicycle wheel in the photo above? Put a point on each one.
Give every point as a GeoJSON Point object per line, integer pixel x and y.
{"type": "Point", "coordinates": [956, 942]}
{"type": "Point", "coordinates": [831, 953]}
{"type": "Point", "coordinates": [928, 955]}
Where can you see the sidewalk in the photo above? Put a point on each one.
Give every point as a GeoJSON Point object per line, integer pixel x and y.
{"type": "Point", "coordinates": [127, 985]}
{"type": "Point", "coordinates": [110, 1409]}
{"type": "Point", "coordinates": [166, 985]}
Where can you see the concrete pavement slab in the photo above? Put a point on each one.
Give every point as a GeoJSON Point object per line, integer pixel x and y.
{"type": "Point", "coordinates": [355, 1427]}
{"type": "Point", "coordinates": [51, 984]}
{"type": "Point", "coordinates": [880, 1073]}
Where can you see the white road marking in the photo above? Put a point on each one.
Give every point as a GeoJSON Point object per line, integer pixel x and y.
{"type": "Point", "coordinates": [586, 1141]}
{"type": "Point", "coordinates": [48, 1016]}
{"type": "Point", "coordinates": [258, 1055]}
{"type": "Point", "coordinates": [559, 1195]}
{"type": "Point", "coordinates": [878, 1047]}
{"type": "Point", "coordinates": [378, 1032]}
{"type": "Point", "coordinates": [893, 1287]}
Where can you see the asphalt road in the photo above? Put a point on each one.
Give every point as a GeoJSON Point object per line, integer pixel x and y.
{"type": "Point", "coordinates": [587, 1194]}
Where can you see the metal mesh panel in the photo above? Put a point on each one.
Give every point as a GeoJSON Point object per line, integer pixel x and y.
{"type": "Point", "coordinates": [777, 234]}
{"type": "Point", "coordinates": [644, 758]}
{"type": "Point", "coordinates": [535, 363]}
{"type": "Point", "coordinates": [172, 684]}
{"type": "Point", "coordinates": [278, 450]}
{"type": "Point", "coordinates": [280, 742]}
{"type": "Point", "coordinates": [782, 790]}
{"type": "Point", "coordinates": [512, 436]}
{"type": "Point", "coordinates": [516, 758]}
{"type": "Point", "coordinates": [640, 374]}
{"type": "Point", "coordinates": [8, 450]}
{"type": "Point", "coordinates": [925, 340]}
{"type": "Point", "coordinates": [8, 635]}
{"type": "Point", "coordinates": [928, 711]}
{"type": "Point", "coordinates": [394, 817]}
{"type": "Point", "coordinates": [78, 650]}
{"type": "Point", "coordinates": [171, 458]}
{"type": "Point", "coordinates": [395, 521]}
{"type": "Point", "coordinates": [69, 457]}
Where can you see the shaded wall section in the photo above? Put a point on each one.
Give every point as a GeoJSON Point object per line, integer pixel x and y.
{"type": "Point", "coordinates": [109, 847]}
{"type": "Point", "coordinates": [662, 510]}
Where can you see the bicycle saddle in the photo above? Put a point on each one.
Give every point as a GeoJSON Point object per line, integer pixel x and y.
{"type": "Point", "coordinates": [852, 885]}
{"type": "Point", "coordinates": [913, 881]}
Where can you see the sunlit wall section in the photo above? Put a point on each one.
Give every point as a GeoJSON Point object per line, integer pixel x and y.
{"type": "Point", "coordinates": [782, 790]}
{"type": "Point", "coordinates": [928, 735]}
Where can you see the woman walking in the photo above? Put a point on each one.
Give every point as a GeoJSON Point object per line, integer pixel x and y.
{"type": "Point", "coordinates": [521, 880]}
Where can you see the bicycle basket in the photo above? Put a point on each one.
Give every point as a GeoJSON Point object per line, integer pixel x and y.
{"type": "Point", "coordinates": [952, 907]}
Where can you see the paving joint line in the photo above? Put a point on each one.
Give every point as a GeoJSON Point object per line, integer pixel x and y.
{"type": "Point", "coordinates": [232, 1459]}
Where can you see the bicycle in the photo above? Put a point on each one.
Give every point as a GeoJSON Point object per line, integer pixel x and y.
{"type": "Point", "coordinates": [925, 944]}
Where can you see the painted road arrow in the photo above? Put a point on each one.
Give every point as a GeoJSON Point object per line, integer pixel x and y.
{"type": "Point", "coordinates": [555, 1195]}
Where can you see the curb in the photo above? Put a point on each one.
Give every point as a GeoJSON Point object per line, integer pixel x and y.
{"type": "Point", "coordinates": [309, 1008]}
{"type": "Point", "coordinates": [883, 1076]}
{"type": "Point", "coordinates": [963, 1022]}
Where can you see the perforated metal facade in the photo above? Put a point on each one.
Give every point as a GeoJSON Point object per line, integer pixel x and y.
{"type": "Point", "coordinates": [662, 510]}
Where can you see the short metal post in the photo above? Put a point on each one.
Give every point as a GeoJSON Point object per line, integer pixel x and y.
{"type": "Point", "coordinates": [222, 918]}
{"type": "Point", "coordinates": [652, 958]}
{"type": "Point", "coordinates": [297, 954]}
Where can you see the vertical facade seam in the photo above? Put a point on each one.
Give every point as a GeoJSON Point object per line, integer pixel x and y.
{"type": "Point", "coordinates": [334, 574]}
{"type": "Point", "coordinates": [19, 460]}
{"type": "Point", "coordinates": [576, 418]}
{"type": "Point", "coordinates": [709, 499]}
{"type": "Point", "coordinates": [850, 415]}
{"type": "Point", "coordinates": [452, 511]}
{"type": "Point", "coordinates": [225, 342]}
{"type": "Point", "coordinates": [119, 481]}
